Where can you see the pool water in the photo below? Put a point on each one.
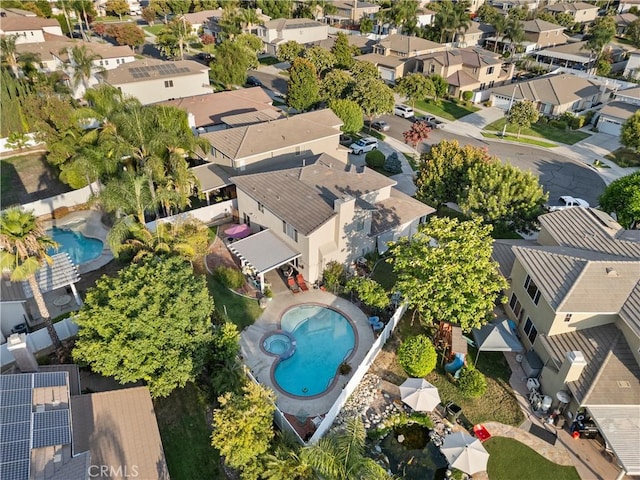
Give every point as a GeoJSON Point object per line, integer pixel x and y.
{"type": "Point", "coordinates": [324, 339]}
{"type": "Point", "coordinates": [81, 249]}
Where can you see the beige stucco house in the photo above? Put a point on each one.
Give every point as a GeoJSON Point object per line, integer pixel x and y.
{"type": "Point", "coordinates": [575, 295]}
{"type": "Point", "coordinates": [544, 34]}
{"type": "Point", "coordinates": [613, 115]}
{"type": "Point", "coordinates": [468, 69]}
{"type": "Point", "coordinates": [152, 81]}
{"type": "Point", "coordinates": [582, 12]}
{"type": "Point", "coordinates": [352, 11]}
{"type": "Point", "coordinates": [326, 212]}
{"type": "Point", "coordinates": [281, 30]}
{"type": "Point", "coordinates": [475, 35]}
{"type": "Point", "coordinates": [552, 94]}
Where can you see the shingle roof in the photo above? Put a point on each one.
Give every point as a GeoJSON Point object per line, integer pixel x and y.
{"type": "Point", "coordinates": [630, 311]}
{"type": "Point", "coordinates": [471, 56]}
{"type": "Point", "coordinates": [198, 18]}
{"type": "Point", "coordinates": [398, 209]}
{"type": "Point", "coordinates": [538, 26]}
{"type": "Point", "coordinates": [384, 60]}
{"type": "Point", "coordinates": [503, 254]}
{"type": "Point", "coordinates": [570, 7]}
{"type": "Point", "coordinates": [461, 79]}
{"type": "Point", "coordinates": [555, 89]}
{"type": "Point", "coordinates": [18, 23]}
{"type": "Point", "coordinates": [479, 27]}
{"type": "Point", "coordinates": [407, 44]}
{"type": "Point", "coordinates": [251, 118]}
{"type": "Point", "coordinates": [619, 110]}
{"type": "Point", "coordinates": [52, 48]}
{"type": "Point", "coordinates": [633, 92]}
{"type": "Point", "coordinates": [280, 24]}
{"type": "Point", "coordinates": [242, 142]}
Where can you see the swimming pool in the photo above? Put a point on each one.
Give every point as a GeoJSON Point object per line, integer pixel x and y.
{"type": "Point", "coordinates": [324, 338]}
{"type": "Point", "coordinates": [81, 249]}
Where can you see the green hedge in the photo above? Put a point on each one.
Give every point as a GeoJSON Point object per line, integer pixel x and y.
{"type": "Point", "coordinates": [229, 277]}
{"type": "Point", "coordinates": [375, 159]}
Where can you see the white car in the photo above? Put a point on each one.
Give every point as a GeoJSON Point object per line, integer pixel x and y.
{"type": "Point", "coordinates": [567, 201]}
{"type": "Point", "coordinates": [364, 145]}
{"type": "Point", "coordinates": [404, 111]}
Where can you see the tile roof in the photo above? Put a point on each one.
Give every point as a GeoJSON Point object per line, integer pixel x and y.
{"type": "Point", "coordinates": [119, 428]}
{"type": "Point", "coordinates": [619, 110]}
{"type": "Point", "coordinates": [242, 142]}
{"type": "Point", "coordinates": [570, 7]}
{"type": "Point", "coordinates": [555, 89]}
{"type": "Point", "coordinates": [408, 45]}
{"type": "Point", "coordinates": [18, 23]}
{"type": "Point", "coordinates": [148, 69]}
{"type": "Point", "coordinates": [630, 311]}
{"type": "Point", "coordinates": [539, 26]}
{"type": "Point", "coordinates": [398, 209]}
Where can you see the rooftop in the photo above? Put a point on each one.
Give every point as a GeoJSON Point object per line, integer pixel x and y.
{"type": "Point", "coordinates": [620, 110]}
{"type": "Point", "coordinates": [149, 69]}
{"type": "Point", "coordinates": [554, 89]}
{"type": "Point", "coordinates": [570, 7]}
{"type": "Point", "coordinates": [409, 45]}
{"type": "Point", "coordinates": [16, 23]}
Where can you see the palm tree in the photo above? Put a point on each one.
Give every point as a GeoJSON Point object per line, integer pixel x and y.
{"type": "Point", "coordinates": [23, 251]}
{"type": "Point", "coordinates": [128, 194]}
{"type": "Point", "coordinates": [341, 455]}
{"type": "Point", "coordinates": [83, 66]}
{"type": "Point", "coordinates": [514, 33]}
{"type": "Point", "coordinates": [500, 26]}
{"type": "Point", "coordinates": [248, 18]}
{"type": "Point", "coordinates": [8, 47]}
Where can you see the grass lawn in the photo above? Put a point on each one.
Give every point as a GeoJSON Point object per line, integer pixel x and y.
{"type": "Point", "coordinates": [511, 459]}
{"type": "Point", "coordinates": [445, 109]}
{"type": "Point", "coordinates": [268, 60]}
{"type": "Point", "coordinates": [623, 157]}
{"type": "Point", "coordinates": [548, 132]}
{"type": "Point", "coordinates": [383, 274]}
{"type": "Point", "coordinates": [184, 421]}
{"type": "Point", "coordinates": [153, 30]}
{"type": "Point", "coordinates": [27, 178]}
{"type": "Point", "coordinates": [513, 138]}
{"type": "Point", "coordinates": [370, 132]}
{"type": "Point", "coordinates": [412, 161]}
{"type": "Point", "coordinates": [240, 310]}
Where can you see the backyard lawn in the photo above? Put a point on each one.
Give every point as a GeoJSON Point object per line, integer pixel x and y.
{"type": "Point", "coordinates": [184, 421]}
{"type": "Point", "coordinates": [547, 132]}
{"type": "Point", "coordinates": [624, 157]}
{"type": "Point", "coordinates": [26, 178]}
{"type": "Point", "coordinates": [445, 109]}
{"type": "Point", "coordinates": [511, 459]}
{"type": "Point", "coordinates": [240, 310]}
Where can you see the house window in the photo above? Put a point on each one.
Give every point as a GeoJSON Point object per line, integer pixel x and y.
{"type": "Point", "coordinates": [432, 68]}
{"type": "Point", "coordinates": [532, 289]}
{"type": "Point", "coordinates": [106, 62]}
{"type": "Point", "coordinates": [567, 317]}
{"type": "Point", "coordinates": [168, 83]}
{"type": "Point", "coordinates": [260, 207]}
{"type": "Point", "coordinates": [530, 330]}
{"type": "Point", "coordinates": [490, 70]}
{"type": "Point", "coordinates": [247, 219]}
{"type": "Point", "coordinates": [290, 231]}
{"type": "Point", "coordinates": [516, 308]}
{"type": "Point", "coordinates": [360, 224]}
{"type": "Point", "coordinates": [491, 83]}
{"type": "Point", "coordinates": [101, 63]}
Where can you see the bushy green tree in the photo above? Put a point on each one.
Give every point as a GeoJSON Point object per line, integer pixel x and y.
{"type": "Point", "coordinates": [243, 428]}
{"type": "Point", "coordinates": [350, 113]}
{"type": "Point", "coordinates": [445, 271]}
{"type": "Point", "coordinates": [304, 88]}
{"type": "Point", "coordinates": [366, 25]}
{"type": "Point", "coordinates": [342, 52]}
{"type": "Point", "coordinates": [633, 33]}
{"type": "Point", "coordinates": [472, 383]}
{"type": "Point", "coordinates": [230, 277]}
{"type": "Point", "coordinates": [601, 32]}
{"type": "Point", "coordinates": [175, 37]}
{"type": "Point", "coordinates": [126, 34]}
{"type": "Point", "coordinates": [440, 86]}
{"type": "Point", "coordinates": [321, 58]}
{"type": "Point", "coordinates": [630, 133]}
{"type": "Point", "coordinates": [117, 7]}
{"type": "Point", "coordinates": [334, 276]}
{"type": "Point", "coordinates": [151, 322]}
{"type": "Point", "coordinates": [417, 356]}
{"type": "Point", "coordinates": [289, 51]}
{"type": "Point", "coordinates": [415, 86]}
{"type": "Point", "coordinates": [369, 292]}
{"type": "Point", "coordinates": [231, 64]}
{"type": "Point", "coordinates": [522, 115]}
{"type": "Point", "coordinates": [363, 71]}
{"type": "Point", "coordinates": [374, 159]}
{"type": "Point", "coordinates": [374, 97]}
{"type": "Point", "coordinates": [622, 197]}
{"type": "Point", "coordinates": [336, 84]}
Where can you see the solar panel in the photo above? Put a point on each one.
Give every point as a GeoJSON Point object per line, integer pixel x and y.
{"type": "Point", "coordinates": [15, 470]}
{"type": "Point", "coordinates": [51, 419]}
{"type": "Point", "coordinates": [15, 397]}
{"type": "Point", "coordinates": [15, 382]}
{"type": "Point", "coordinates": [13, 432]}
{"type": "Point", "coordinates": [51, 436]}
{"type": "Point", "coordinates": [50, 379]}
{"type": "Point", "coordinates": [19, 413]}
{"type": "Point", "coordinates": [13, 451]}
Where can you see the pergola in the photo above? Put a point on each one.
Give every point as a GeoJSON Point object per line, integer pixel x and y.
{"type": "Point", "coordinates": [263, 252]}
{"type": "Point", "coordinates": [60, 273]}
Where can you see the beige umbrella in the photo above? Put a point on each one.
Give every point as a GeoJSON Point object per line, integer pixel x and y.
{"type": "Point", "coordinates": [465, 453]}
{"type": "Point", "coordinates": [419, 394]}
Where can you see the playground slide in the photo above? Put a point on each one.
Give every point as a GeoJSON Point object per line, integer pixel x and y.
{"type": "Point", "coordinates": [457, 363]}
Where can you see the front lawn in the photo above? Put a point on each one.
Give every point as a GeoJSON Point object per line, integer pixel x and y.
{"type": "Point", "coordinates": [510, 459]}
{"type": "Point", "coordinates": [372, 132]}
{"type": "Point", "coordinates": [183, 420]}
{"type": "Point", "coordinates": [445, 109]}
{"type": "Point", "coordinates": [514, 138]}
{"type": "Point", "coordinates": [154, 30]}
{"type": "Point", "coordinates": [624, 157]}
{"type": "Point", "coordinates": [547, 132]}
{"type": "Point", "coordinates": [268, 60]}
{"type": "Point", "coordinates": [240, 310]}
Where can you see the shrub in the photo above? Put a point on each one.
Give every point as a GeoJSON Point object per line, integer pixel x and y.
{"type": "Point", "coordinates": [472, 383]}
{"type": "Point", "coordinates": [417, 356]}
{"type": "Point", "coordinates": [467, 95]}
{"type": "Point", "coordinates": [393, 164]}
{"type": "Point", "coordinates": [559, 124]}
{"type": "Point", "coordinates": [588, 117]}
{"type": "Point", "coordinates": [334, 276]}
{"type": "Point", "coordinates": [375, 159]}
{"type": "Point", "coordinates": [229, 277]}
{"type": "Point", "coordinates": [344, 369]}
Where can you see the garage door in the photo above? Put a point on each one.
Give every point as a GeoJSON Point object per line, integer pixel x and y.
{"type": "Point", "coordinates": [387, 75]}
{"type": "Point", "coordinates": [501, 102]}
{"type": "Point", "coordinates": [612, 127]}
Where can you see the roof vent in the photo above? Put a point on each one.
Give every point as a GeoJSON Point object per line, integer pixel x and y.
{"type": "Point", "coordinates": [611, 272]}
{"type": "Point", "coordinates": [623, 384]}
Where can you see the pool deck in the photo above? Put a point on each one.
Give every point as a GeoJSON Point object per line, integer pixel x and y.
{"type": "Point", "coordinates": [88, 223]}
{"type": "Point", "coordinates": [260, 363]}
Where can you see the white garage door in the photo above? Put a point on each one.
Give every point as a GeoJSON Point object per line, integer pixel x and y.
{"type": "Point", "coordinates": [501, 102]}
{"type": "Point", "coordinates": [387, 75]}
{"type": "Point", "coordinates": [607, 125]}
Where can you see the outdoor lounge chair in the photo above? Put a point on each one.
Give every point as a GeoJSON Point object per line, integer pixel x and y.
{"type": "Point", "coordinates": [293, 286]}
{"type": "Point", "coordinates": [301, 283]}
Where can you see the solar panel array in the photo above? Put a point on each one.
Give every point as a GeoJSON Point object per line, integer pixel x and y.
{"type": "Point", "coordinates": [162, 70]}
{"type": "Point", "coordinates": [22, 429]}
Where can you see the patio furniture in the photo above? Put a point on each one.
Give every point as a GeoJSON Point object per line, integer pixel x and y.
{"type": "Point", "coordinates": [419, 394]}
{"type": "Point", "coordinates": [481, 432]}
{"type": "Point", "coordinates": [301, 283]}
{"type": "Point", "coordinates": [293, 286]}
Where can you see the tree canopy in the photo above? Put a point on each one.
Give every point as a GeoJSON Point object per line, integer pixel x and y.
{"type": "Point", "coordinates": [630, 133]}
{"type": "Point", "coordinates": [349, 112]}
{"type": "Point", "coordinates": [304, 88]}
{"type": "Point", "coordinates": [175, 37]}
{"type": "Point", "coordinates": [151, 322]}
{"type": "Point", "coordinates": [343, 52]}
{"type": "Point", "coordinates": [522, 115]}
{"type": "Point", "coordinates": [289, 51]}
{"type": "Point", "coordinates": [622, 197]}
{"type": "Point", "coordinates": [415, 86]}
{"type": "Point", "coordinates": [374, 97]}
{"type": "Point", "coordinates": [445, 272]}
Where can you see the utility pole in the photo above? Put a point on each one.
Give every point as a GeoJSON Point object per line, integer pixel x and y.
{"type": "Point", "coordinates": [504, 129]}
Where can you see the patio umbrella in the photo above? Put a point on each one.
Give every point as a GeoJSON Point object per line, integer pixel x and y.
{"type": "Point", "coordinates": [419, 394]}
{"type": "Point", "coordinates": [238, 231]}
{"type": "Point", "coordinates": [465, 453]}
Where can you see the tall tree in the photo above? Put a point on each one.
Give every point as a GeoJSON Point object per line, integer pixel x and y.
{"type": "Point", "coordinates": [304, 88]}
{"type": "Point", "coordinates": [366, 25]}
{"type": "Point", "coordinates": [336, 84]}
{"type": "Point", "coordinates": [374, 97]}
{"type": "Point", "coordinates": [8, 50]}
{"type": "Point", "coordinates": [231, 64]}
{"type": "Point", "coordinates": [363, 71]}
{"type": "Point", "coordinates": [514, 32]}
{"type": "Point", "coordinates": [601, 32]}
{"type": "Point", "coordinates": [243, 426]}
{"type": "Point", "coordinates": [343, 52]}
{"type": "Point", "coordinates": [630, 133]}
{"type": "Point", "coordinates": [161, 7]}
{"type": "Point", "coordinates": [127, 34]}
{"type": "Point", "coordinates": [151, 323]}
{"type": "Point", "coordinates": [82, 63]}
{"type": "Point", "coordinates": [117, 7]}
{"type": "Point", "coordinates": [622, 197]}
{"type": "Point", "coordinates": [440, 86]}
{"type": "Point", "coordinates": [289, 51]}
{"type": "Point", "coordinates": [522, 115]}
{"type": "Point", "coordinates": [418, 132]}
{"type": "Point", "coordinates": [175, 37]}
{"type": "Point", "coordinates": [500, 27]}
{"type": "Point", "coordinates": [403, 13]}
{"type": "Point", "coordinates": [341, 455]}
{"type": "Point", "coordinates": [633, 33]}
{"type": "Point", "coordinates": [349, 112]}
{"type": "Point", "coordinates": [23, 251]}
{"type": "Point", "coordinates": [445, 271]}
{"type": "Point", "coordinates": [321, 58]}
{"type": "Point", "coordinates": [415, 86]}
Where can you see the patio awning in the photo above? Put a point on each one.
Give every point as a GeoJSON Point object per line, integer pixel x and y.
{"type": "Point", "coordinates": [60, 273]}
{"type": "Point", "coordinates": [263, 251]}
{"type": "Point", "coordinates": [620, 427]}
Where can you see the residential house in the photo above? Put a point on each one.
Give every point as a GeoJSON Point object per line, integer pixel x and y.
{"type": "Point", "coordinates": [575, 295]}
{"type": "Point", "coordinates": [468, 69]}
{"type": "Point", "coordinates": [302, 30]}
{"type": "Point", "coordinates": [152, 81]}
{"type": "Point", "coordinates": [321, 213]}
{"type": "Point", "coordinates": [364, 44]}
{"type": "Point", "coordinates": [29, 29]}
{"type": "Point", "coordinates": [623, 20]}
{"type": "Point", "coordinates": [507, 5]}
{"type": "Point", "coordinates": [581, 12]}
{"type": "Point", "coordinates": [272, 142]}
{"type": "Point", "coordinates": [425, 17]}
{"type": "Point", "coordinates": [351, 11]}
{"type": "Point", "coordinates": [475, 35]}
{"type": "Point", "coordinates": [632, 68]}
{"type": "Point", "coordinates": [552, 94]}
{"type": "Point", "coordinates": [212, 111]}
{"type": "Point", "coordinates": [626, 5]}
{"type": "Point", "coordinates": [576, 56]}
{"type": "Point", "coordinates": [613, 115]}
{"type": "Point", "coordinates": [395, 55]}
{"type": "Point", "coordinates": [544, 34]}
{"type": "Point", "coordinates": [134, 7]}
{"type": "Point", "coordinates": [200, 20]}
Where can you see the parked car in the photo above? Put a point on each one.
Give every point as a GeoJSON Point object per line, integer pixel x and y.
{"type": "Point", "coordinates": [205, 57]}
{"type": "Point", "coordinates": [379, 125]}
{"type": "Point", "coordinates": [567, 201]}
{"type": "Point", "coordinates": [253, 82]}
{"type": "Point", "coordinates": [433, 122]}
{"type": "Point", "coordinates": [404, 111]}
{"type": "Point", "coordinates": [364, 145]}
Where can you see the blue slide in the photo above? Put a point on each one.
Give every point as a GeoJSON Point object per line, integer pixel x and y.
{"type": "Point", "coordinates": [455, 366]}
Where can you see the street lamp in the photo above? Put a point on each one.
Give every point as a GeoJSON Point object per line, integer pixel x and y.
{"type": "Point", "coordinates": [504, 129]}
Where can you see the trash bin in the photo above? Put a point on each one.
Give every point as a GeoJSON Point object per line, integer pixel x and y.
{"type": "Point", "coordinates": [453, 412]}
